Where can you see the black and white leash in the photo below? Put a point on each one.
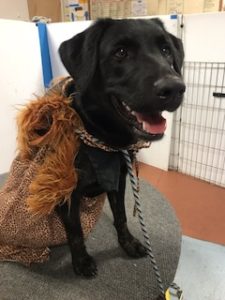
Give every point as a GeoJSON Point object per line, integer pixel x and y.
{"type": "Point", "coordinates": [135, 185]}
{"type": "Point", "coordinates": [94, 142]}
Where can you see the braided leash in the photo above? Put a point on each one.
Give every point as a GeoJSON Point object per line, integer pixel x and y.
{"type": "Point", "coordinates": [134, 184]}
{"type": "Point", "coordinates": [94, 142]}
{"type": "Point", "coordinates": [135, 187]}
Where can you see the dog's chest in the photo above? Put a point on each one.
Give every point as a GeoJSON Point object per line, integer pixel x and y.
{"type": "Point", "coordinates": [98, 170]}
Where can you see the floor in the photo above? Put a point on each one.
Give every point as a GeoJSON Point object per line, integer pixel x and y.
{"type": "Point", "coordinates": [200, 208]}
{"type": "Point", "coordinates": [201, 271]}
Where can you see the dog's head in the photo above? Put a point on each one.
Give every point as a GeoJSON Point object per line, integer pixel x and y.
{"type": "Point", "coordinates": [128, 72]}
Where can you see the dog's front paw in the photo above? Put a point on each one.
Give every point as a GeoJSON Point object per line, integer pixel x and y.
{"type": "Point", "coordinates": [85, 266]}
{"type": "Point", "coordinates": [133, 248]}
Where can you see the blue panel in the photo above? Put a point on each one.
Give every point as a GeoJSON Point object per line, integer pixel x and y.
{"type": "Point", "coordinates": [45, 56]}
{"type": "Point", "coordinates": [173, 17]}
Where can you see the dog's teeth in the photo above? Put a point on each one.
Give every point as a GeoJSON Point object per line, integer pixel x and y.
{"type": "Point", "coordinates": [144, 126]}
{"type": "Point", "coordinates": [128, 108]}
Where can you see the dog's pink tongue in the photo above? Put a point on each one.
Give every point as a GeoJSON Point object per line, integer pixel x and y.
{"type": "Point", "coordinates": [152, 124]}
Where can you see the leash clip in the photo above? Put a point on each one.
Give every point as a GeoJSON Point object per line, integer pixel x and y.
{"type": "Point", "coordinates": [178, 294]}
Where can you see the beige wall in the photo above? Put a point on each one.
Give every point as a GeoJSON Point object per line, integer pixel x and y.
{"type": "Point", "coordinates": [14, 9]}
{"type": "Point", "coordinates": [182, 6]}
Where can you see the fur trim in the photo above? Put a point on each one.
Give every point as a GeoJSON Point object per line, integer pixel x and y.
{"type": "Point", "coordinates": [50, 121]}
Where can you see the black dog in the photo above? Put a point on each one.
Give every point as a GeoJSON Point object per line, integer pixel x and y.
{"type": "Point", "coordinates": [126, 72]}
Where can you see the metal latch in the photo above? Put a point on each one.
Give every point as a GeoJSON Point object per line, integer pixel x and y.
{"type": "Point", "coordinates": [218, 95]}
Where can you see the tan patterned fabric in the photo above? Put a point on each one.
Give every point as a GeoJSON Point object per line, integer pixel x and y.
{"type": "Point", "coordinates": [42, 176]}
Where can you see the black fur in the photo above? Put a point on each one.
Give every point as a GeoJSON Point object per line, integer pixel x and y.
{"type": "Point", "coordinates": [136, 62]}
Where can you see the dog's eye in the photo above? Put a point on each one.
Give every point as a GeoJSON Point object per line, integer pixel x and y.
{"type": "Point", "coordinates": [166, 50]}
{"type": "Point", "coordinates": [121, 53]}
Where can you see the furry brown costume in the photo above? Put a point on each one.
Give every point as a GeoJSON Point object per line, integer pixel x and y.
{"type": "Point", "coordinates": [41, 177]}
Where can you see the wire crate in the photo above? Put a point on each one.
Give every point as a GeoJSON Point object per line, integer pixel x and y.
{"type": "Point", "coordinates": [198, 138]}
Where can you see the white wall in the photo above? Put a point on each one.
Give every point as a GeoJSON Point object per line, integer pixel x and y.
{"type": "Point", "coordinates": [16, 9]}
{"type": "Point", "coordinates": [21, 77]}
{"type": "Point", "coordinates": [57, 33]}
{"type": "Point", "coordinates": [204, 37]}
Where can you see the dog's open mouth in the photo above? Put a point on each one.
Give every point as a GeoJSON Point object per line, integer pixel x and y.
{"type": "Point", "coordinates": [148, 125]}
{"type": "Point", "coordinates": [153, 124]}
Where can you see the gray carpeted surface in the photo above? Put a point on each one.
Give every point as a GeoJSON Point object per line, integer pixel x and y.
{"type": "Point", "coordinates": [119, 277]}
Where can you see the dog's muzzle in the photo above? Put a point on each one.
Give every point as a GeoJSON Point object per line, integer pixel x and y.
{"type": "Point", "coordinates": [170, 92]}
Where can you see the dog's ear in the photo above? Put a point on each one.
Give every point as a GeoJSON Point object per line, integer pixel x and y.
{"type": "Point", "coordinates": [158, 22]}
{"type": "Point", "coordinates": [80, 53]}
{"type": "Point", "coordinates": [178, 53]}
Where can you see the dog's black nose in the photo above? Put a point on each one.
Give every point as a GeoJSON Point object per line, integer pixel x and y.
{"type": "Point", "coordinates": [170, 88]}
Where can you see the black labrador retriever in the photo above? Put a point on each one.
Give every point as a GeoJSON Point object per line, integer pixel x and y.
{"type": "Point", "coordinates": [126, 72]}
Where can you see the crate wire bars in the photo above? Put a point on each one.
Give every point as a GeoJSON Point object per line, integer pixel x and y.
{"type": "Point", "coordinates": [198, 138]}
